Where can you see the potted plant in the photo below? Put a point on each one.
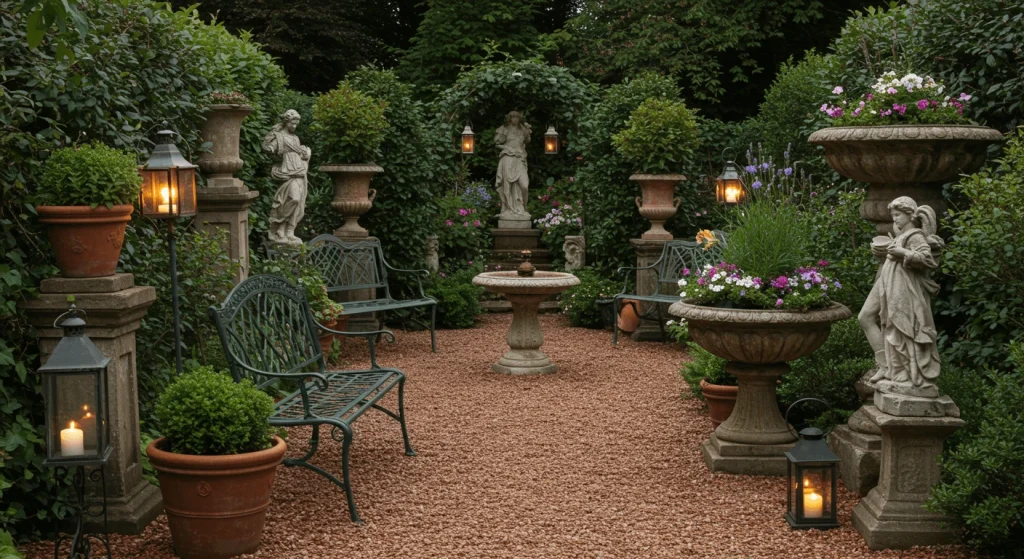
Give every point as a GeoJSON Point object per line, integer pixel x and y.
{"type": "Point", "coordinates": [216, 463]}
{"type": "Point", "coordinates": [222, 130]}
{"type": "Point", "coordinates": [906, 137]}
{"type": "Point", "coordinates": [326, 311]}
{"type": "Point", "coordinates": [86, 194]}
{"type": "Point", "coordinates": [760, 308]}
{"type": "Point", "coordinates": [708, 380]}
{"type": "Point", "coordinates": [351, 126]}
{"type": "Point", "coordinates": [660, 135]}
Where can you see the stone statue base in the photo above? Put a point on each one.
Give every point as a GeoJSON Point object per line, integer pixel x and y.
{"type": "Point", "coordinates": [745, 459]}
{"type": "Point", "coordinates": [509, 245]}
{"type": "Point", "coordinates": [859, 443]}
{"type": "Point", "coordinates": [892, 516]}
{"type": "Point", "coordinates": [913, 406]}
{"type": "Point", "coordinates": [514, 221]}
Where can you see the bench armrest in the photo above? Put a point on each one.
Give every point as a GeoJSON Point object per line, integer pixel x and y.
{"type": "Point", "coordinates": [625, 279]}
{"type": "Point", "coordinates": [318, 378]}
{"type": "Point", "coordinates": [419, 281]}
{"type": "Point", "coordinates": [387, 335]}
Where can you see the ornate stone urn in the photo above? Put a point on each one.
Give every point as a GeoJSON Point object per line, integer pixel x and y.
{"type": "Point", "coordinates": [757, 344]}
{"type": "Point", "coordinates": [904, 160]}
{"type": "Point", "coordinates": [222, 128]}
{"type": "Point", "coordinates": [352, 195]}
{"type": "Point", "coordinates": [658, 202]}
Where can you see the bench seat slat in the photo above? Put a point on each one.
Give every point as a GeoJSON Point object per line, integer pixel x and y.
{"type": "Point", "coordinates": [358, 307]}
{"type": "Point", "coordinates": [348, 395]}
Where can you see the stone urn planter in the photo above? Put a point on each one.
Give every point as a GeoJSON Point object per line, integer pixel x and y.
{"type": "Point", "coordinates": [86, 241]}
{"type": "Point", "coordinates": [658, 202]}
{"type": "Point", "coordinates": [352, 195]}
{"type": "Point", "coordinates": [216, 505]}
{"type": "Point", "coordinates": [757, 344]}
{"type": "Point", "coordinates": [721, 400]}
{"type": "Point", "coordinates": [222, 128]}
{"type": "Point", "coordinates": [904, 160]}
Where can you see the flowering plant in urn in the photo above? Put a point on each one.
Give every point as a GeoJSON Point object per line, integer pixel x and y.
{"type": "Point", "coordinates": [911, 99]}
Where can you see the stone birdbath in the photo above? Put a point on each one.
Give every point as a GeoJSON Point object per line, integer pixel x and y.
{"type": "Point", "coordinates": [525, 289]}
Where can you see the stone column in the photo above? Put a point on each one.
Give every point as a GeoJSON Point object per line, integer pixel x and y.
{"type": "Point", "coordinates": [892, 516]}
{"type": "Point", "coordinates": [859, 444]}
{"type": "Point", "coordinates": [115, 307]}
{"type": "Point", "coordinates": [647, 252]}
{"type": "Point", "coordinates": [224, 202]}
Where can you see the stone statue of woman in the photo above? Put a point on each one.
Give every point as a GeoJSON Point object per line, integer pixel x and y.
{"type": "Point", "coordinates": [290, 170]}
{"type": "Point", "coordinates": [897, 316]}
{"type": "Point", "coordinates": [512, 179]}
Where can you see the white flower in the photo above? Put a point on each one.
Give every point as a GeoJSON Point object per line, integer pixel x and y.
{"type": "Point", "coordinates": [838, 89]}
{"type": "Point", "coordinates": [682, 282]}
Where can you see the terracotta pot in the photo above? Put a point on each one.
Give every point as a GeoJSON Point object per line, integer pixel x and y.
{"type": "Point", "coordinates": [327, 340]}
{"type": "Point", "coordinates": [216, 505]}
{"type": "Point", "coordinates": [352, 195]}
{"type": "Point", "coordinates": [86, 241]}
{"type": "Point", "coordinates": [657, 203]}
{"type": "Point", "coordinates": [757, 344]}
{"type": "Point", "coordinates": [721, 400]}
{"type": "Point", "coordinates": [904, 160]}
{"type": "Point", "coordinates": [222, 128]}
{"type": "Point", "coordinates": [629, 320]}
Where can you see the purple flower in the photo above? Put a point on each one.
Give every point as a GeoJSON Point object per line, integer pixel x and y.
{"type": "Point", "coordinates": [700, 281]}
{"type": "Point", "coordinates": [756, 185]}
{"type": "Point", "coordinates": [757, 282]}
{"type": "Point", "coordinates": [891, 91]}
{"type": "Point", "coordinates": [476, 223]}
{"type": "Point", "coordinates": [764, 165]}
{"type": "Point", "coordinates": [899, 108]}
{"type": "Point", "coordinates": [870, 96]}
{"type": "Point", "coordinates": [743, 292]}
{"type": "Point", "coordinates": [922, 104]}
{"type": "Point", "coordinates": [856, 111]}
{"type": "Point", "coordinates": [824, 107]}
{"type": "Point", "coordinates": [750, 169]}
{"type": "Point", "coordinates": [965, 97]}
{"type": "Point", "coordinates": [780, 282]}
{"type": "Point", "coordinates": [686, 271]}
{"type": "Point", "coordinates": [807, 286]}
{"type": "Point", "coordinates": [838, 89]}
{"type": "Point", "coordinates": [778, 302]}
{"type": "Point", "coordinates": [787, 171]}
{"type": "Point", "coordinates": [448, 222]}
{"type": "Point", "coordinates": [823, 263]}
{"type": "Point", "coordinates": [443, 275]}
{"type": "Point", "coordinates": [463, 212]}
{"type": "Point", "coordinates": [837, 284]}
{"type": "Point", "coordinates": [465, 224]}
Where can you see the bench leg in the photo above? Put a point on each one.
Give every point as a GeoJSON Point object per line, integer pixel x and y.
{"type": "Point", "coordinates": [345, 444]}
{"type": "Point", "coordinates": [615, 322]}
{"type": "Point", "coordinates": [401, 418]}
{"type": "Point", "coordinates": [433, 333]}
{"type": "Point", "coordinates": [661, 322]}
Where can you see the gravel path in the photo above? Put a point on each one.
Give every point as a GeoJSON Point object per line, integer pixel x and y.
{"type": "Point", "coordinates": [601, 460]}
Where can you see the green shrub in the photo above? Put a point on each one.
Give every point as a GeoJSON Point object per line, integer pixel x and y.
{"type": "Point", "coordinates": [90, 175]}
{"type": "Point", "coordinates": [789, 112]}
{"type": "Point", "coordinates": [981, 485]}
{"type": "Point", "coordinates": [206, 412]}
{"type": "Point", "coordinates": [579, 303]}
{"type": "Point", "coordinates": [558, 211]}
{"type": "Point", "coordinates": [767, 239]}
{"type": "Point", "coordinates": [461, 235]}
{"type": "Point", "coordinates": [7, 549]}
{"type": "Point", "coordinates": [458, 300]}
{"type": "Point", "coordinates": [704, 365]}
{"type": "Point", "coordinates": [660, 137]}
{"type": "Point", "coordinates": [351, 125]}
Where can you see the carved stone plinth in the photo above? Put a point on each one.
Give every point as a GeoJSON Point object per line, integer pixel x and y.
{"type": "Point", "coordinates": [227, 208]}
{"type": "Point", "coordinates": [648, 251]}
{"type": "Point", "coordinates": [892, 516]}
{"type": "Point", "coordinates": [114, 308]}
{"type": "Point", "coordinates": [525, 336]}
{"type": "Point", "coordinates": [509, 245]}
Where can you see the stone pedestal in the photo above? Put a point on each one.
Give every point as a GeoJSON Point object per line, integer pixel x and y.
{"type": "Point", "coordinates": [892, 515]}
{"type": "Point", "coordinates": [224, 204]}
{"type": "Point", "coordinates": [859, 444]}
{"type": "Point", "coordinates": [647, 252]}
{"type": "Point", "coordinates": [509, 245]}
{"type": "Point", "coordinates": [115, 307]}
{"type": "Point", "coordinates": [744, 458]}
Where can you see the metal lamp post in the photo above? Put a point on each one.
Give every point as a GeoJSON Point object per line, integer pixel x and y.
{"type": "Point", "coordinates": [169, 192]}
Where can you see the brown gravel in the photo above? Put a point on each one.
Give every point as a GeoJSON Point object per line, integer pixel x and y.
{"type": "Point", "coordinates": [601, 460]}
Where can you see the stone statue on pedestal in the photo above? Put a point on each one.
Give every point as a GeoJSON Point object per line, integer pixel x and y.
{"type": "Point", "coordinates": [432, 257]}
{"type": "Point", "coordinates": [290, 170]}
{"type": "Point", "coordinates": [897, 316]}
{"type": "Point", "coordinates": [574, 247]}
{"type": "Point", "coordinates": [513, 180]}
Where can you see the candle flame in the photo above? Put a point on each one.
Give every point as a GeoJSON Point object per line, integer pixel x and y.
{"type": "Point", "coordinates": [87, 415]}
{"type": "Point", "coordinates": [85, 407]}
{"type": "Point", "coordinates": [71, 425]}
{"type": "Point", "coordinates": [807, 483]}
{"type": "Point", "coordinates": [165, 193]}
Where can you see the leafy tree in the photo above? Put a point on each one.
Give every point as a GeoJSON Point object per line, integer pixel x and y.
{"type": "Point", "coordinates": [462, 33]}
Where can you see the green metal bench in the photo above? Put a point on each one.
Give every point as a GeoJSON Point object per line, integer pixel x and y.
{"type": "Point", "coordinates": [270, 336]}
{"type": "Point", "coordinates": [675, 256]}
{"type": "Point", "coordinates": [351, 266]}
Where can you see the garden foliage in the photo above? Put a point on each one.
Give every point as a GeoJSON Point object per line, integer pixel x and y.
{"type": "Point", "coordinates": [350, 125]}
{"type": "Point", "coordinates": [90, 175]}
{"type": "Point", "coordinates": [458, 300]}
{"type": "Point", "coordinates": [704, 365]}
{"type": "Point", "coordinates": [659, 135]}
{"type": "Point", "coordinates": [579, 303]}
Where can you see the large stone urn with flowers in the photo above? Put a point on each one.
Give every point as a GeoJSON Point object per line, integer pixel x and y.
{"type": "Point", "coordinates": [907, 137]}
{"type": "Point", "coordinates": [351, 125]}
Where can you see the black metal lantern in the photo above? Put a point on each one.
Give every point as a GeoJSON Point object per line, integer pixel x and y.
{"type": "Point", "coordinates": [74, 381]}
{"type": "Point", "coordinates": [811, 475]}
{"type": "Point", "coordinates": [168, 181]}
{"type": "Point", "coordinates": [551, 141]}
{"type": "Point", "coordinates": [728, 186]}
{"type": "Point", "coordinates": [468, 141]}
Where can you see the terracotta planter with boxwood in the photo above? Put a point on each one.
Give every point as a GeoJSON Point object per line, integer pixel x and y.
{"type": "Point", "coordinates": [721, 400]}
{"type": "Point", "coordinates": [86, 241]}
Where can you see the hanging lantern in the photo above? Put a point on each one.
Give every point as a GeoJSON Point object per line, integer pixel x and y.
{"type": "Point", "coordinates": [728, 186]}
{"type": "Point", "coordinates": [811, 475]}
{"type": "Point", "coordinates": [551, 141]}
{"type": "Point", "coordinates": [74, 381]}
{"type": "Point", "coordinates": [468, 142]}
{"type": "Point", "coordinates": [168, 181]}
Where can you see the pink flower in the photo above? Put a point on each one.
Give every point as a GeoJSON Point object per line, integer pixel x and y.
{"type": "Point", "coordinates": [476, 223]}
{"type": "Point", "coordinates": [686, 271]}
{"type": "Point", "coordinates": [870, 96]}
{"type": "Point", "coordinates": [448, 222]}
{"type": "Point", "coordinates": [922, 104]}
{"type": "Point", "coordinates": [856, 111]}
{"type": "Point", "coordinates": [891, 91]}
{"type": "Point", "coordinates": [463, 212]}
{"type": "Point", "coordinates": [572, 179]}
{"type": "Point", "coordinates": [899, 108]}
{"type": "Point", "coordinates": [965, 97]}
{"type": "Point", "coordinates": [470, 262]}
{"type": "Point", "coordinates": [555, 204]}
{"type": "Point", "coordinates": [465, 224]}
{"type": "Point", "coordinates": [778, 302]}
{"type": "Point", "coordinates": [823, 263]}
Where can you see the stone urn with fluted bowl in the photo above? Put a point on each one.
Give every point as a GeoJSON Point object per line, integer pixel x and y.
{"type": "Point", "coordinates": [657, 202]}
{"type": "Point", "coordinates": [757, 344]}
{"type": "Point", "coordinates": [222, 128]}
{"type": "Point", "coordinates": [352, 195]}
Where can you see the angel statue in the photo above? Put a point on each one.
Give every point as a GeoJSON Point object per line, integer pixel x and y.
{"type": "Point", "coordinates": [897, 316]}
{"type": "Point", "coordinates": [512, 179]}
{"type": "Point", "coordinates": [290, 170]}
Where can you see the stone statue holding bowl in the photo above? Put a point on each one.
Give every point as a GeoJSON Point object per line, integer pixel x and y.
{"type": "Point", "coordinates": [513, 179]}
{"type": "Point", "coordinates": [290, 170]}
{"type": "Point", "coordinates": [897, 316]}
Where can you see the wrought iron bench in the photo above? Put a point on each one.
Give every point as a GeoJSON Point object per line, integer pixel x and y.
{"type": "Point", "coordinates": [350, 266]}
{"type": "Point", "coordinates": [675, 256]}
{"type": "Point", "coordinates": [270, 336]}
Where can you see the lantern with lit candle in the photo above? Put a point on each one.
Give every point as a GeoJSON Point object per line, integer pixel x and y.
{"type": "Point", "coordinates": [468, 142]}
{"type": "Point", "coordinates": [728, 186]}
{"type": "Point", "coordinates": [74, 381]}
{"type": "Point", "coordinates": [812, 473]}
{"type": "Point", "coordinates": [551, 141]}
{"type": "Point", "coordinates": [168, 181]}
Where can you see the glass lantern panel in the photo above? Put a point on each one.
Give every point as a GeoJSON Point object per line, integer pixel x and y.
{"type": "Point", "coordinates": [816, 489]}
{"type": "Point", "coordinates": [793, 478]}
{"type": "Point", "coordinates": [186, 191]}
{"type": "Point", "coordinates": [156, 192]}
{"type": "Point", "coordinates": [551, 144]}
{"type": "Point", "coordinates": [74, 410]}
{"type": "Point", "coordinates": [467, 144]}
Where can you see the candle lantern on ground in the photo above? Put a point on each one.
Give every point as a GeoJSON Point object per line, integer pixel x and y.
{"type": "Point", "coordinates": [811, 478]}
{"type": "Point", "coordinates": [468, 141]}
{"type": "Point", "coordinates": [728, 186]}
{"type": "Point", "coordinates": [551, 141]}
{"type": "Point", "coordinates": [169, 192]}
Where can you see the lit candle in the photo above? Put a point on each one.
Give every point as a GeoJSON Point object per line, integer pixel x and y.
{"type": "Point", "coordinates": [732, 195]}
{"type": "Point", "coordinates": [812, 505]}
{"type": "Point", "coordinates": [167, 207]}
{"type": "Point", "coordinates": [551, 145]}
{"type": "Point", "coordinates": [72, 441]}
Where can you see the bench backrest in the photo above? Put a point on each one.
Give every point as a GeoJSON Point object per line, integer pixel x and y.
{"type": "Point", "coordinates": [266, 324]}
{"type": "Point", "coordinates": [676, 255]}
{"type": "Point", "coordinates": [346, 266]}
